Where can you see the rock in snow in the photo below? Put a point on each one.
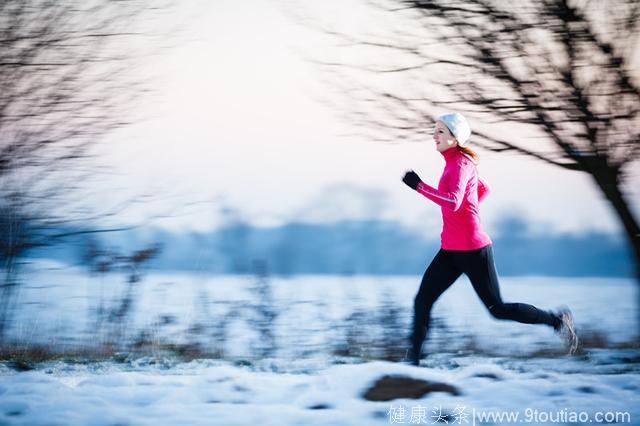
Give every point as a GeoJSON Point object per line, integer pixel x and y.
{"type": "Point", "coordinates": [388, 388]}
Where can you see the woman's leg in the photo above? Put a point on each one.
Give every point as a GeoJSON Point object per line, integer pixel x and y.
{"type": "Point", "coordinates": [480, 268]}
{"type": "Point", "coordinates": [439, 276]}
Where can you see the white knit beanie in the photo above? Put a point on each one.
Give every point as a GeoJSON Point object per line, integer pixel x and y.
{"type": "Point", "coordinates": [458, 126]}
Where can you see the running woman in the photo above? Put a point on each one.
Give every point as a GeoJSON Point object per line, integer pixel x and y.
{"type": "Point", "coordinates": [465, 247]}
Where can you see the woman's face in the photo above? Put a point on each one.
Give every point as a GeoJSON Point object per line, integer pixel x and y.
{"type": "Point", "coordinates": [443, 137]}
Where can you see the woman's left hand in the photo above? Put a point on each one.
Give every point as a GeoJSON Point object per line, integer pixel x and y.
{"type": "Point", "coordinates": [411, 179]}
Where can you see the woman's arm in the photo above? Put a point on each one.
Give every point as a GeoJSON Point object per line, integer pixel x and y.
{"type": "Point", "coordinates": [452, 198]}
{"type": "Point", "coordinates": [483, 189]}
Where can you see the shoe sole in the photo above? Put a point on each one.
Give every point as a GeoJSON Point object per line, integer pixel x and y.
{"type": "Point", "coordinates": [572, 336]}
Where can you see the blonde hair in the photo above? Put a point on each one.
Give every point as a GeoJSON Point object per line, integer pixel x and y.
{"type": "Point", "coordinates": [471, 153]}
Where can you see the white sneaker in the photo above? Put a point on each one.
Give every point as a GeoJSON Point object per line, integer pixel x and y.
{"type": "Point", "coordinates": [567, 329]}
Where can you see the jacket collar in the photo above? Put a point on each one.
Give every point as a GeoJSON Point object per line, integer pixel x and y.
{"type": "Point", "coordinates": [451, 153]}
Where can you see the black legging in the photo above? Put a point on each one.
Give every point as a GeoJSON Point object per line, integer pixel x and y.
{"type": "Point", "coordinates": [478, 265]}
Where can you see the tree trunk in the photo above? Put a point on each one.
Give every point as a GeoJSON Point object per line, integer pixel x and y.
{"type": "Point", "coordinates": [611, 189]}
{"type": "Point", "coordinates": [614, 195]}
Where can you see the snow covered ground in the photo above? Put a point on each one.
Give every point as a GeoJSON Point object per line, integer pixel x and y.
{"type": "Point", "coordinates": [309, 314]}
{"type": "Point", "coordinates": [218, 393]}
{"type": "Point", "coordinates": [500, 368]}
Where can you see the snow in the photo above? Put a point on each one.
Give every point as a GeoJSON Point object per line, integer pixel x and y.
{"type": "Point", "coordinates": [56, 304]}
{"type": "Point", "coordinates": [498, 366]}
{"type": "Point", "coordinates": [207, 393]}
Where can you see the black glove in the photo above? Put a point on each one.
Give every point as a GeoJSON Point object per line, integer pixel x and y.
{"type": "Point", "coordinates": [412, 179]}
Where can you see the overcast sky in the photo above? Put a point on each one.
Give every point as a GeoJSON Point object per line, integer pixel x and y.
{"type": "Point", "coordinates": [236, 122]}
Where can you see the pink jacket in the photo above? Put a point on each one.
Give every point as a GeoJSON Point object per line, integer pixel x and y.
{"type": "Point", "coordinates": [459, 192]}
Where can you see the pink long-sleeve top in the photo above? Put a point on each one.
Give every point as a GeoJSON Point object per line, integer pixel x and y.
{"type": "Point", "coordinates": [459, 193]}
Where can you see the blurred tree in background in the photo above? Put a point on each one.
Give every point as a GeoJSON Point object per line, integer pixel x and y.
{"type": "Point", "coordinates": [564, 71]}
{"type": "Point", "coordinates": [66, 82]}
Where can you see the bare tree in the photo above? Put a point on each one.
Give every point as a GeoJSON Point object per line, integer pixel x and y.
{"type": "Point", "coordinates": [566, 70]}
{"type": "Point", "coordinates": [66, 81]}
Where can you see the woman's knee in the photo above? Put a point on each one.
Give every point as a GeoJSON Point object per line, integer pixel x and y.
{"type": "Point", "coordinates": [418, 301]}
{"type": "Point", "coordinates": [422, 302]}
{"type": "Point", "coordinates": [500, 311]}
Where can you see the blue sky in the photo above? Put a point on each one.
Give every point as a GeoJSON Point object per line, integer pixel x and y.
{"type": "Point", "coordinates": [235, 121]}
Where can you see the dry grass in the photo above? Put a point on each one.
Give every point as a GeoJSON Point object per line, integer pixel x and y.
{"type": "Point", "coordinates": [25, 357]}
